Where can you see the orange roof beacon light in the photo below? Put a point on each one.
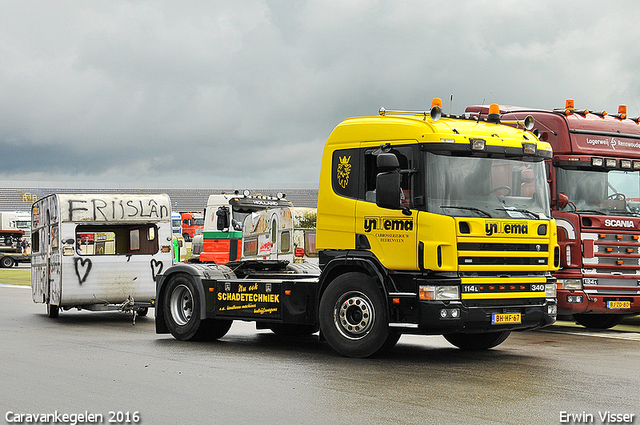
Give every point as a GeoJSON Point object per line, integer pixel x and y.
{"type": "Point", "coordinates": [494, 113]}
{"type": "Point", "coordinates": [622, 112]}
{"type": "Point", "coordinates": [436, 102]}
{"type": "Point", "coordinates": [568, 106]}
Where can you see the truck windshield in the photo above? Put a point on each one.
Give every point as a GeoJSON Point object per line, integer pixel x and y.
{"type": "Point", "coordinates": [613, 192]}
{"type": "Point", "coordinates": [486, 187]}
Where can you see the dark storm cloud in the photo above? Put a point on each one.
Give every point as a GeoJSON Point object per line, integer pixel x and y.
{"type": "Point", "coordinates": [246, 91]}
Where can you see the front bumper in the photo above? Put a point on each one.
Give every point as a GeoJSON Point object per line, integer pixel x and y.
{"type": "Point", "coordinates": [575, 301]}
{"type": "Point", "coordinates": [430, 318]}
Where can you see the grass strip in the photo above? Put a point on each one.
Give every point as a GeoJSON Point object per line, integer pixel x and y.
{"type": "Point", "coordinates": [15, 276]}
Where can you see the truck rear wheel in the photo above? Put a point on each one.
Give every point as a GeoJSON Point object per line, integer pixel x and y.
{"type": "Point", "coordinates": [479, 341]}
{"type": "Point", "coordinates": [6, 262]}
{"type": "Point", "coordinates": [181, 309]}
{"type": "Point", "coordinates": [353, 318]}
{"type": "Point", "coordinates": [598, 321]}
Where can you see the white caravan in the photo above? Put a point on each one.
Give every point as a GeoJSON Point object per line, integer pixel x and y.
{"type": "Point", "coordinates": [99, 251]}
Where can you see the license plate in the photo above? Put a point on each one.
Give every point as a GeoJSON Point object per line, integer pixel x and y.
{"type": "Point", "coordinates": [500, 318]}
{"type": "Point", "coordinates": [618, 304]}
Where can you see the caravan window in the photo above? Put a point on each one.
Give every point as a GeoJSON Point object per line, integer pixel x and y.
{"type": "Point", "coordinates": [310, 243]}
{"type": "Point", "coordinates": [285, 241]}
{"type": "Point", "coordinates": [35, 242]}
{"type": "Point", "coordinates": [116, 239]}
{"type": "Point", "coordinates": [250, 246]}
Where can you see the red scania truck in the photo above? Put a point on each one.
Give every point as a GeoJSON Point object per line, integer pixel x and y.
{"type": "Point", "coordinates": [594, 176]}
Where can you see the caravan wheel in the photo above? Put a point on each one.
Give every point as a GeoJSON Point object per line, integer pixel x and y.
{"type": "Point", "coordinates": [52, 310]}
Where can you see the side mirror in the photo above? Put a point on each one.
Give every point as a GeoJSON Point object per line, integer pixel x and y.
{"type": "Point", "coordinates": [387, 162]}
{"type": "Point", "coordinates": [222, 215]}
{"type": "Point", "coordinates": [563, 200]}
{"type": "Point", "coordinates": [388, 189]}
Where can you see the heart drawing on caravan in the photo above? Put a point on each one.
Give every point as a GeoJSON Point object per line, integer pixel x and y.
{"type": "Point", "coordinates": [156, 268]}
{"type": "Point", "coordinates": [83, 266]}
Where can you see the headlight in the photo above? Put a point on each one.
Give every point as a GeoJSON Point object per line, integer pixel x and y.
{"type": "Point", "coordinates": [550, 290]}
{"type": "Point", "coordinates": [571, 284]}
{"type": "Point", "coordinates": [439, 293]}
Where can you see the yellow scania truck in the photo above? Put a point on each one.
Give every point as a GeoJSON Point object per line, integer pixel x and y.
{"type": "Point", "coordinates": [426, 224]}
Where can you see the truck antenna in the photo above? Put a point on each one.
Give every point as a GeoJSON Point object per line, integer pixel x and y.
{"type": "Point", "coordinates": [450, 104]}
{"type": "Point", "coordinates": [634, 103]}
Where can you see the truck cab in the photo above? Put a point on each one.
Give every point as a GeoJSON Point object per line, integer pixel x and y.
{"type": "Point", "coordinates": [191, 225]}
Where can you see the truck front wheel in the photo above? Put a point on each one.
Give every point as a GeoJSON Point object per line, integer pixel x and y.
{"type": "Point", "coordinates": [181, 309]}
{"type": "Point", "coordinates": [479, 341]}
{"type": "Point", "coordinates": [353, 318]}
{"type": "Point", "coordinates": [598, 321]}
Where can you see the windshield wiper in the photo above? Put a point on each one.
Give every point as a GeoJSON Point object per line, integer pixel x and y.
{"type": "Point", "coordinates": [467, 208]}
{"type": "Point", "coordinates": [590, 212]}
{"type": "Point", "coordinates": [622, 212]}
{"type": "Point", "coordinates": [531, 213]}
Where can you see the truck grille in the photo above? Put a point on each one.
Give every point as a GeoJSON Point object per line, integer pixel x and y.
{"type": "Point", "coordinates": [502, 254]}
{"type": "Point", "coordinates": [615, 265]}
{"type": "Point", "coordinates": [612, 251]}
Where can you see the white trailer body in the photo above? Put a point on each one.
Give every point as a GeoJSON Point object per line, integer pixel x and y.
{"type": "Point", "coordinates": [16, 220]}
{"type": "Point", "coordinates": [99, 251]}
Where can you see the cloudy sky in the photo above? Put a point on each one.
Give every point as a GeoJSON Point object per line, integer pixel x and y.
{"type": "Point", "coordinates": [244, 92]}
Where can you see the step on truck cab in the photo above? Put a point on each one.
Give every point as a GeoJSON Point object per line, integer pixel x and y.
{"type": "Point", "coordinates": [595, 178]}
{"type": "Point", "coordinates": [99, 251]}
{"type": "Point", "coordinates": [422, 228]}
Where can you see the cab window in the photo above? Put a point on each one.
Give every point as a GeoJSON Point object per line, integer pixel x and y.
{"type": "Point", "coordinates": [405, 159]}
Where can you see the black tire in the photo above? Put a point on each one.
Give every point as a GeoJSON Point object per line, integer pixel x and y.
{"type": "Point", "coordinates": [181, 308]}
{"type": "Point", "coordinates": [479, 341]}
{"type": "Point", "coordinates": [7, 262]}
{"type": "Point", "coordinates": [213, 329]}
{"type": "Point", "coordinates": [142, 311]}
{"type": "Point", "coordinates": [287, 329]}
{"type": "Point", "coordinates": [53, 311]}
{"type": "Point", "coordinates": [353, 317]}
{"type": "Point", "coordinates": [598, 321]}
{"type": "Point", "coordinates": [391, 341]}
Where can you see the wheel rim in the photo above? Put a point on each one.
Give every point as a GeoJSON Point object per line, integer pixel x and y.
{"type": "Point", "coordinates": [181, 305]}
{"type": "Point", "coordinates": [354, 315]}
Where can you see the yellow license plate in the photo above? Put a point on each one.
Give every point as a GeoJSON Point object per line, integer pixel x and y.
{"type": "Point", "coordinates": [618, 304]}
{"type": "Point", "coordinates": [500, 318]}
